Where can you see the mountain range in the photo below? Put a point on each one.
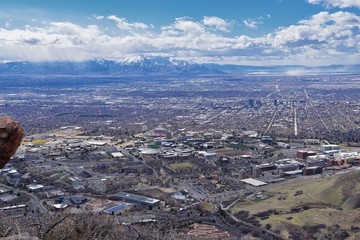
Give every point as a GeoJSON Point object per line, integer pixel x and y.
{"type": "Point", "coordinates": [160, 66]}
{"type": "Point", "coordinates": [132, 66]}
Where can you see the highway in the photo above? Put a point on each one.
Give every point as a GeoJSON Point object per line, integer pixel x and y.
{"type": "Point", "coordinates": [295, 119]}
{"type": "Point", "coordinates": [345, 117]}
{"type": "Point", "coordinates": [308, 100]}
{"type": "Point", "coordinates": [333, 117]}
{"type": "Point", "coordinates": [321, 119]}
{"type": "Point", "coordinates": [271, 122]}
{"type": "Point", "coordinates": [215, 116]}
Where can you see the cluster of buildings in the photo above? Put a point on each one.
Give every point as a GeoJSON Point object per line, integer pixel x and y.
{"type": "Point", "coordinates": [156, 172]}
{"type": "Point", "coordinates": [309, 162]}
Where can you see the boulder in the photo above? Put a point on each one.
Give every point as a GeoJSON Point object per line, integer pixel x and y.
{"type": "Point", "coordinates": [11, 135]}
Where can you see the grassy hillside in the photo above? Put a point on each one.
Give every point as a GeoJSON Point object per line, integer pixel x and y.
{"type": "Point", "coordinates": [325, 208]}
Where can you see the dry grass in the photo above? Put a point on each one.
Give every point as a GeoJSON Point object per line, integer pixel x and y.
{"type": "Point", "coordinates": [39, 141]}
{"type": "Point", "coordinates": [182, 166]}
{"type": "Point", "coordinates": [327, 216]}
{"type": "Point", "coordinates": [321, 190]}
{"type": "Point", "coordinates": [330, 199]}
{"type": "Point", "coordinates": [231, 153]}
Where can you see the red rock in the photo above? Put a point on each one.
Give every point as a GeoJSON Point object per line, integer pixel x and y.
{"type": "Point", "coordinates": [11, 135]}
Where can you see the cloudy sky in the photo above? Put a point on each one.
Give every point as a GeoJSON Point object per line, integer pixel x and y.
{"type": "Point", "coordinates": [247, 32]}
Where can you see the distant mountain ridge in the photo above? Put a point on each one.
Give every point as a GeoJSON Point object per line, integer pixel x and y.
{"type": "Point", "coordinates": [286, 69]}
{"type": "Point", "coordinates": [136, 66]}
{"type": "Point", "coordinates": [160, 66]}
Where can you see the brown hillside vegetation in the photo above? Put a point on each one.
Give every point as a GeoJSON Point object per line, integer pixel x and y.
{"type": "Point", "coordinates": [322, 208]}
{"type": "Point", "coordinates": [80, 227]}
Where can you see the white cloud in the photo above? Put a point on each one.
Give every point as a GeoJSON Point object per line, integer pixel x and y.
{"type": "Point", "coordinates": [188, 26]}
{"type": "Point", "coordinates": [337, 3]}
{"type": "Point", "coordinates": [125, 25]}
{"type": "Point", "coordinates": [217, 23]}
{"type": "Point", "coordinates": [8, 24]}
{"type": "Point", "coordinates": [323, 38]}
{"type": "Point", "coordinates": [252, 24]}
{"type": "Point", "coordinates": [97, 17]}
{"type": "Point", "coordinates": [322, 28]}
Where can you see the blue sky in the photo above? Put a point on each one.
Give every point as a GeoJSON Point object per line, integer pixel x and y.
{"type": "Point", "coordinates": [256, 32]}
{"type": "Point", "coordinates": [163, 12]}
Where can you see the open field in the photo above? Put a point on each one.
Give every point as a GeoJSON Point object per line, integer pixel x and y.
{"type": "Point", "coordinates": [282, 197]}
{"type": "Point", "coordinates": [39, 141]}
{"type": "Point", "coordinates": [182, 166]}
{"type": "Point", "coordinates": [231, 152]}
{"type": "Point", "coordinates": [319, 206]}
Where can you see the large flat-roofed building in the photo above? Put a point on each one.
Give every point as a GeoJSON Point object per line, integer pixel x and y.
{"type": "Point", "coordinates": [34, 187]}
{"type": "Point", "coordinates": [134, 198]}
{"type": "Point", "coordinates": [117, 209]}
{"type": "Point", "coordinates": [304, 154]}
{"type": "Point", "coordinates": [329, 147]}
{"type": "Point", "coordinates": [117, 155]}
{"type": "Point", "coordinates": [97, 143]}
{"type": "Point", "coordinates": [253, 182]}
{"type": "Point", "coordinates": [312, 170]}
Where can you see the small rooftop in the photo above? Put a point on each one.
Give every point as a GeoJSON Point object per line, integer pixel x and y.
{"type": "Point", "coordinates": [135, 198]}
{"type": "Point", "coordinates": [254, 182]}
{"type": "Point", "coordinates": [117, 208]}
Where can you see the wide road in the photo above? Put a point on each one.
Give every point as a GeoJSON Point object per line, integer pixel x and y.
{"type": "Point", "coordinates": [271, 122]}
{"type": "Point", "coordinates": [295, 119]}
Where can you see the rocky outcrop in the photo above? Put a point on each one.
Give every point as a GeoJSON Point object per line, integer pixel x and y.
{"type": "Point", "coordinates": [11, 135]}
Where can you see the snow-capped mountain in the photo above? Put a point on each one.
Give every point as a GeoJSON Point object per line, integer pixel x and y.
{"type": "Point", "coordinates": [134, 65]}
